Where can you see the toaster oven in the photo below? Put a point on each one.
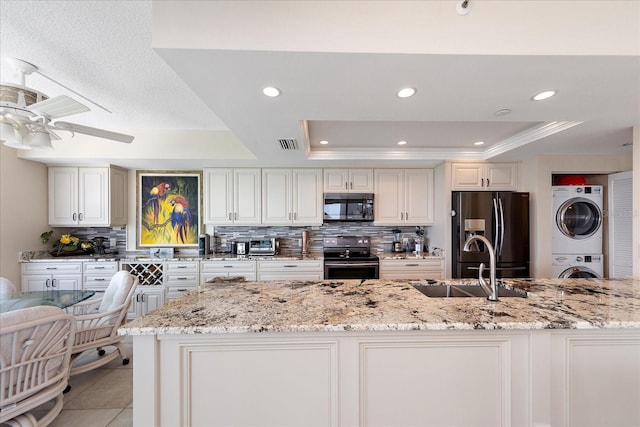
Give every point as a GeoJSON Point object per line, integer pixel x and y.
{"type": "Point", "coordinates": [263, 247]}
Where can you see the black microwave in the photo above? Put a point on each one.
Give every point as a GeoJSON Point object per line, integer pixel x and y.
{"type": "Point", "coordinates": [348, 207]}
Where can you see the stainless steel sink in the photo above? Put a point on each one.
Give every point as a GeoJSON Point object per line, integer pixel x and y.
{"type": "Point", "coordinates": [452, 291]}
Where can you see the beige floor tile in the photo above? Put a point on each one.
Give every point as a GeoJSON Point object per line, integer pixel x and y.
{"type": "Point", "coordinates": [85, 418]}
{"type": "Point", "coordinates": [114, 390]}
{"type": "Point", "coordinates": [124, 419]}
{"type": "Point", "coordinates": [82, 382]}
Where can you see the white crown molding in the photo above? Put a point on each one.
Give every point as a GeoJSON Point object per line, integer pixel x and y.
{"type": "Point", "coordinates": [528, 136]}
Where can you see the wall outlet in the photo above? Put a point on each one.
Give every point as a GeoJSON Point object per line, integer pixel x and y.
{"type": "Point", "coordinates": [112, 242]}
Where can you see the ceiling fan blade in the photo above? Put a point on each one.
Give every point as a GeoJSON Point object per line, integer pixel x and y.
{"type": "Point", "coordinates": [59, 106]}
{"type": "Point", "coordinates": [100, 133]}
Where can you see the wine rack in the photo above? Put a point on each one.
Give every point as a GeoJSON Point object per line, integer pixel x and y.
{"type": "Point", "coordinates": [148, 273]}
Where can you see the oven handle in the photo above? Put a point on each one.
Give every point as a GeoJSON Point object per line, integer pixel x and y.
{"type": "Point", "coordinates": [351, 264]}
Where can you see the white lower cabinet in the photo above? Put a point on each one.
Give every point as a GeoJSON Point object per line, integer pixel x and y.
{"type": "Point", "coordinates": [42, 276]}
{"type": "Point", "coordinates": [150, 293]}
{"type": "Point", "coordinates": [210, 269]}
{"type": "Point", "coordinates": [96, 276]}
{"type": "Point", "coordinates": [595, 379]}
{"type": "Point", "coordinates": [577, 378]}
{"type": "Point", "coordinates": [144, 301]}
{"type": "Point", "coordinates": [181, 277]}
{"type": "Point", "coordinates": [291, 270]}
{"type": "Point", "coordinates": [418, 268]}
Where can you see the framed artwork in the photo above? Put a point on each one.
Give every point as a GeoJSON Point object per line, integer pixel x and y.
{"type": "Point", "coordinates": [168, 208]}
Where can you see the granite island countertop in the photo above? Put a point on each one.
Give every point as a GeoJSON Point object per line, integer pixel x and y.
{"type": "Point", "coordinates": [236, 306]}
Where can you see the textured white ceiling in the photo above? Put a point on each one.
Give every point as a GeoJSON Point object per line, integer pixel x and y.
{"type": "Point", "coordinates": [198, 73]}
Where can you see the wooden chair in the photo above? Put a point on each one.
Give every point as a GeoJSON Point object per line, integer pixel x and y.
{"type": "Point", "coordinates": [98, 320]}
{"type": "Point", "coordinates": [35, 356]}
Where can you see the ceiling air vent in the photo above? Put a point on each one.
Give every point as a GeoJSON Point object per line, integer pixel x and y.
{"type": "Point", "coordinates": [288, 143]}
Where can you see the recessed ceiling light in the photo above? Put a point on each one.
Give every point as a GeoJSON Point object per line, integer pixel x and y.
{"type": "Point", "coordinates": [544, 95]}
{"type": "Point", "coordinates": [271, 91]}
{"type": "Point", "coordinates": [478, 143]}
{"type": "Point", "coordinates": [323, 142]}
{"type": "Point", "coordinates": [502, 112]}
{"type": "Point", "coordinates": [406, 92]}
{"type": "Point", "coordinates": [402, 142]}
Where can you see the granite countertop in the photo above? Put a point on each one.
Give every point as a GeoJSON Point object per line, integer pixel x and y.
{"type": "Point", "coordinates": [44, 256]}
{"type": "Point", "coordinates": [235, 306]}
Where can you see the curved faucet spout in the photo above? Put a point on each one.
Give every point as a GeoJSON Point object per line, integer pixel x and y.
{"type": "Point", "coordinates": [491, 290]}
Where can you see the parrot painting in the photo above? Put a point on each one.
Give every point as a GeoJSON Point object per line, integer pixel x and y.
{"type": "Point", "coordinates": [157, 193]}
{"type": "Point", "coordinates": [180, 217]}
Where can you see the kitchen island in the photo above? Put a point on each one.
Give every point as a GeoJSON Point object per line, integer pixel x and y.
{"type": "Point", "coordinates": [379, 352]}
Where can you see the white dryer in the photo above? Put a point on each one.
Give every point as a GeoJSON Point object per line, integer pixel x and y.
{"type": "Point", "coordinates": [577, 266]}
{"type": "Point", "coordinates": [577, 219]}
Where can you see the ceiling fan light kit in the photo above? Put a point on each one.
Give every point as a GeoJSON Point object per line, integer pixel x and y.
{"type": "Point", "coordinates": [28, 117]}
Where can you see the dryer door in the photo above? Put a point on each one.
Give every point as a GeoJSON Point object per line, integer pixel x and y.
{"type": "Point", "coordinates": [579, 273]}
{"type": "Point", "coordinates": [579, 218]}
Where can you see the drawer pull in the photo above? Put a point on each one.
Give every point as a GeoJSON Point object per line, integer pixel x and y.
{"type": "Point", "coordinates": [182, 290]}
{"type": "Point", "coordinates": [52, 268]}
{"type": "Point", "coordinates": [289, 265]}
{"type": "Point", "coordinates": [228, 266]}
{"type": "Point", "coordinates": [100, 279]}
{"type": "Point", "coordinates": [412, 265]}
{"type": "Point", "coordinates": [182, 278]}
{"type": "Point", "coordinates": [181, 266]}
{"type": "Point", "coordinates": [99, 268]}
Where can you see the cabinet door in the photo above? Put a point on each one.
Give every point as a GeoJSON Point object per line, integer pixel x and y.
{"type": "Point", "coordinates": [336, 180]}
{"type": "Point", "coordinates": [389, 196]}
{"type": "Point", "coordinates": [135, 309]}
{"type": "Point", "coordinates": [247, 196]}
{"type": "Point", "coordinates": [501, 176]}
{"type": "Point", "coordinates": [419, 197]}
{"type": "Point", "coordinates": [151, 301]}
{"type": "Point", "coordinates": [276, 196]}
{"type": "Point", "coordinates": [361, 180]}
{"type": "Point", "coordinates": [467, 176]}
{"type": "Point", "coordinates": [218, 196]}
{"type": "Point", "coordinates": [35, 282]}
{"type": "Point", "coordinates": [63, 196]}
{"type": "Point", "coordinates": [93, 196]}
{"type": "Point", "coordinates": [66, 282]}
{"type": "Point", "coordinates": [307, 196]}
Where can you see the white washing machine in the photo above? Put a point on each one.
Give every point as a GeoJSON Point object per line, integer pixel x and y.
{"type": "Point", "coordinates": [577, 219]}
{"type": "Point", "coordinates": [577, 266]}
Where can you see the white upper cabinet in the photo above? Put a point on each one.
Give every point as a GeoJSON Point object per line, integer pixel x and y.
{"type": "Point", "coordinates": [484, 176]}
{"type": "Point", "coordinates": [87, 196]}
{"type": "Point", "coordinates": [404, 197]}
{"type": "Point", "coordinates": [348, 180]}
{"type": "Point", "coordinates": [292, 196]}
{"type": "Point", "coordinates": [232, 196]}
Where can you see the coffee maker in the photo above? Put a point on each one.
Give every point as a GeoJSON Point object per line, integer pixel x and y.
{"type": "Point", "coordinates": [397, 241]}
{"type": "Point", "coordinates": [204, 244]}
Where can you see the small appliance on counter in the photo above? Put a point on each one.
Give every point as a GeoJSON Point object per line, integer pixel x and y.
{"type": "Point", "coordinates": [304, 243]}
{"type": "Point", "coordinates": [263, 246]}
{"type": "Point", "coordinates": [240, 248]}
{"type": "Point", "coordinates": [204, 244]}
{"type": "Point", "coordinates": [397, 241]}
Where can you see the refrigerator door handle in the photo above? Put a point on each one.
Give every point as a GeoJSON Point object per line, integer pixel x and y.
{"type": "Point", "coordinates": [501, 226]}
{"type": "Point", "coordinates": [496, 214]}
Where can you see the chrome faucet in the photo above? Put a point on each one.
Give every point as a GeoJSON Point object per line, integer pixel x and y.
{"type": "Point", "coordinates": [491, 290]}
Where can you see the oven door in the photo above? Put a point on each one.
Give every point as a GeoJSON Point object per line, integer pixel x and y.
{"type": "Point", "coordinates": [355, 269]}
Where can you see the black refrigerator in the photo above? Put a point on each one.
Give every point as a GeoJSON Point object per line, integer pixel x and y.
{"type": "Point", "coordinates": [501, 217]}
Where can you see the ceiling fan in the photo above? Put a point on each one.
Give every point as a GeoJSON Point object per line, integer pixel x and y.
{"type": "Point", "coordinates": [29, 118]}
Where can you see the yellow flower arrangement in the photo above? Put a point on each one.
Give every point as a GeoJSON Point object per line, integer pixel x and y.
{"type": "Point", "coordinates": [69, 243]}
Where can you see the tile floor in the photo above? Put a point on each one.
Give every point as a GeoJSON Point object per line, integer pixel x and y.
{"type": "Point", "coordinates": [102, 397]}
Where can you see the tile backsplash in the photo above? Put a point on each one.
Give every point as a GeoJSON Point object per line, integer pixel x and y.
{"type": "Point", "coordinates": [290, 237]}
{"type": "Point", "coordinates": [381, 237]}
